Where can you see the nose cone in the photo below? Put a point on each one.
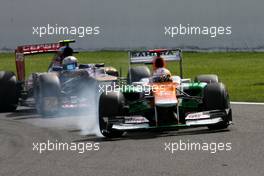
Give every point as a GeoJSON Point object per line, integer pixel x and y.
{"type": "Point", "coordinates": [165, 94]}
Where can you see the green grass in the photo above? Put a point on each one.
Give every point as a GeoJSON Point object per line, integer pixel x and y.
{"type": "Point", "coordinates": [242, 72]}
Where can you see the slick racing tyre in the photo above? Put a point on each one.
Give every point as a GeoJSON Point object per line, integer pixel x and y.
{"type": "Point", "coordinates": [207, 78]}
{"type": "Point", "coordinates": [135, 74]}
{"type": "Point", "coordinates": [110, 106]}
{"type": "Point", "coordinates": [8, 91]}
{"type": "Point", "coordinates": [48, 93]}
{"type": "Point", "coordinates": [216, 98]}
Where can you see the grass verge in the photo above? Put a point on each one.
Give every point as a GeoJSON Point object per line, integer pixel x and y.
{"type": "Point", "coordinates": [242, 72]}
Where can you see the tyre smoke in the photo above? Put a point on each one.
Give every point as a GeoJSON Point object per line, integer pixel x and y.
{"type": "Point", "coordinates": [89, 121]}
{"type": "Point", "coordinates": [84, 119]}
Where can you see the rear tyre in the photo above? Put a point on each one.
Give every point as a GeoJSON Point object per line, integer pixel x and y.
{"type": "Point", "coordinates": [110, 106]}
{"type": "Point", "coordinates": [216, 98]}
{"type": "Point", "coordinates": [207, 78]}
{"type": "Point", "coordinates": [48, 93]}
{"type": "Point", "coordinates": [8, 91]}
{"type": "Point", "coordinates": [135, 74]}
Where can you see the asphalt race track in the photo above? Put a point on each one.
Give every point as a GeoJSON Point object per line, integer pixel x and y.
{"type": "Point", "coordinates": [136, 154]}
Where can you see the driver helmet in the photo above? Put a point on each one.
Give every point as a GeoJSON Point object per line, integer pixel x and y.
{"type": "Point", "coordinates": [162, 75]}
{"type": "Point", "coordinates": [162, 72]}
{"type": "Point", "coordinates": [70, 63]}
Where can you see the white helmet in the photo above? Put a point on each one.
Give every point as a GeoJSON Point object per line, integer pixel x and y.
{"type": "Point", "coordinates": [162, 75]}
{"type": "Point", "coordinates": [162, 72]}
{"type": "Point", "coordinates": [69, 63]}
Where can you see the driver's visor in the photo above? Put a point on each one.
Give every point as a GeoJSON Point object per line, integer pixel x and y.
{"type": "Point", "coordinates": [70, 66]}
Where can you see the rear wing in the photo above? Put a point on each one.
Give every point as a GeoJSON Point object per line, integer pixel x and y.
{"type": "Point", "coordinates": [147, 57]}
{"type": "Point", "coordinates": [22, 51]}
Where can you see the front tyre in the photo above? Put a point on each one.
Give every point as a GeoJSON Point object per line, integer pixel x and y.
{"type": "Point", "coordinates": [48, 94]}
{"type": "Point", "coordinates": [110, 106]}
{"type": "Point", "coordinates": [216, 98]}
{"type": "Point", "coordinates": [8, 91]}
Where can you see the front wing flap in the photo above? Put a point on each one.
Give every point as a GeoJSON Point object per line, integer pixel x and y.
{"type": "Point", "coordinates": [196, 119]}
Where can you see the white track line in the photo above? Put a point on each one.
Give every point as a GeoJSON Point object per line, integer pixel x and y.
{"type": "Point", "coordinates": [247, 103]}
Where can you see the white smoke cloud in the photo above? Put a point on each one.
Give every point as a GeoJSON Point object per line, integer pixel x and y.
{"type": "Point", "coordinates": [89, 123]}
{"type": "Point", "coordinates": [86, 119]}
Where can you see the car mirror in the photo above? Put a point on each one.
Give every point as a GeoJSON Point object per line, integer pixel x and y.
{"type": "Point", "coordinates": [57, 68]}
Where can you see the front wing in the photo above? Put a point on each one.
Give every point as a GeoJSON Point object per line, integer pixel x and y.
{"type": "Point", "coordinates": [135, 123]}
